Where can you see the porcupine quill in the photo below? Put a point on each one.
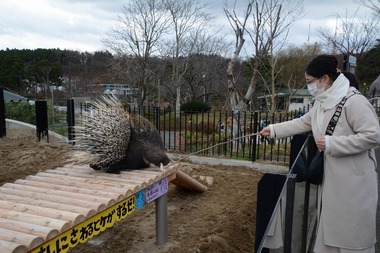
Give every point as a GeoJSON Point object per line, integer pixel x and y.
{"type": "Point", "coordinates": [117, 140]}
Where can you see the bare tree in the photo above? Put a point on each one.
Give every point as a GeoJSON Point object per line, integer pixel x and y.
{"type": "Point", "coordinates": [294, 59]}
{"type": "Point", "coordinates": [190, 36]}
{"type": "Point", "coordinates": [138, 35]}
{"type": "Point", "coordinates": [201, 82]}
{"type": "Point", "coordinates": [239, 27]}
{"type": "Point", "coordinates": [372, 4]}
{"type": "Point", "coordinates": [271, 21]}
{"type": "Point", "coordinates": [352, 35]}
{"type": "Point", "coordinates": [45, 78]}
{"type": "Point", "coordinates": [267, 23]}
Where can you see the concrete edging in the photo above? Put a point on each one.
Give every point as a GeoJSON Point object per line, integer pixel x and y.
{"type": "Point", "coordinates": [19, 129]}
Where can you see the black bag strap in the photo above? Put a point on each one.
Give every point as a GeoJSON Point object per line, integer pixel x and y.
{"type": "Point", "coordinates": [338, 112]}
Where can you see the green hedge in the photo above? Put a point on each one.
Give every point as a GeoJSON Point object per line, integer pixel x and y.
{"type": "Point", "coordinates": [21, 111]}
{"type": "Point", "coordinates": [195, 107]}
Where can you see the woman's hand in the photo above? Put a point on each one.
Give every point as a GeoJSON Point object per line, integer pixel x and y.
{"type": "Point", "coordinates": [265, 131]}
{"type": "Point", "coordinates": [320, 141]}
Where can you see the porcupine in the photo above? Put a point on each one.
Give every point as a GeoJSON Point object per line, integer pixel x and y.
{"type": "Point", "coordinates": [118, 140]}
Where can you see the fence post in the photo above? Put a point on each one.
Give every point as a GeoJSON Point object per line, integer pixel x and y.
{"type": "Point", "coordinates": [254, 137]}
{"type": "Point", "coordinates": [41, 119]}
{"type": "Point", "coordinates": [311, 150]}
{"type": "Point", "coordinates": [70, 120]}
{"type": "Point", "coordinates": [162, 219]}
{"type": "Point", "coordinates": [3, 131]}
{"type": "Point", "coordinates": [269, 191]}
{"type": "Point", "coordinates": [289, 208]}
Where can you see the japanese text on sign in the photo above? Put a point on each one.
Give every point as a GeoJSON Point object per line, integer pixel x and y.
{"type": "Point", "coordinates": [89, 228]}
{"type": "Point", "coordinates": [156, 190]}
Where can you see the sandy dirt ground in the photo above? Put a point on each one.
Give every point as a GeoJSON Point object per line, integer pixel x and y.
{"type": "Point", "coordinates": [222, 219]}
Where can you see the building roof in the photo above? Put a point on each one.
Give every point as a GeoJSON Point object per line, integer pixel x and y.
{"type": "Point", "coordinates": [289, 92]}
{"type": "Point", "coordinates": [295, 92]}
{"type": "Point", "coordinates": [13, 97]}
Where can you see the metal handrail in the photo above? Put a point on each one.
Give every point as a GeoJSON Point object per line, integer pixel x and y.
{"type": "Point", "coordinates": [308, 234]}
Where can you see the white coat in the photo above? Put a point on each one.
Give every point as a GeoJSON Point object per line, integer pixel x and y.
{"type": "Point", "coordinates": [349, 189]}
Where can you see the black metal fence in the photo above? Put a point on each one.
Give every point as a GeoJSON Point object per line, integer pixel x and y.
{"type": "Point", "coordinates": [220, 133]}
{"type": "Point", "coordinates": [213, 133]}
{"type": "Point", "coordinates": [376, 104]}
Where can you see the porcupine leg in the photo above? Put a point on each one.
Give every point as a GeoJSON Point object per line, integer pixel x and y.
{"type": "Point", "coordinates": [95, 166]}
{"type": "Point", "coordinates": [116, 167]}
{"type": "Point", "coordinates": [108, 169]}
{"type": "Point", "coordinates": [134, 161]}
{"type": "Point", "coordinates": [113, 170]}
{"type": "Point", "coordinates": [128, 163]}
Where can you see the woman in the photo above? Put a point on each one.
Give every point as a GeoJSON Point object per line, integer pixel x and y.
{"type": "Point", "coordinates": [348, 200]}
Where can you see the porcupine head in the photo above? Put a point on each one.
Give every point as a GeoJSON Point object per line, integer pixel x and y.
{"type": "Point", "coordinates": [118, 141]}
{"type": "Point", "coordinates": [145, 146]}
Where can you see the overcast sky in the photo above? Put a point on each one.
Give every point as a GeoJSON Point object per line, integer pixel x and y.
{"type": "Point", "coordinates": [82, 24]}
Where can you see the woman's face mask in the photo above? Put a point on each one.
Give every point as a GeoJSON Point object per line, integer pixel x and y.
{"type": "Point", "coordinates": [313, 89]}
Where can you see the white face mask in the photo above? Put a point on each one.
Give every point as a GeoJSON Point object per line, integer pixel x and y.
{"type": "Point", "coordinates": [314, 91]}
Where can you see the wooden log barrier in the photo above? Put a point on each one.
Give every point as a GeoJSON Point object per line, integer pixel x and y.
{"type": "Point", "coordinates": [37, 213]}
{"type": "Point", "coordinates": [55, 210]}
{"type": "Point", "coordinates": [188, 182]}
{"type": "Point", "coordinates": [8, 246]}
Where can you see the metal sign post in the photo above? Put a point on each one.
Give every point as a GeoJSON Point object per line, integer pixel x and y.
{"type": "Point", "coordinates": [3, 131]}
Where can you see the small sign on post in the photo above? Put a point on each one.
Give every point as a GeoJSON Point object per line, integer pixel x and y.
{"type": "Point", "coordinates": [156, 190]}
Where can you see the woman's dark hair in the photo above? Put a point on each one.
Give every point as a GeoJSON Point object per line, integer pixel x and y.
{"type": "Point", "coordinates": [323, 65]}
{"type": "Point", "coordinates": [352, 78]}
{"type": "Point", "coordinates": [328, 65]}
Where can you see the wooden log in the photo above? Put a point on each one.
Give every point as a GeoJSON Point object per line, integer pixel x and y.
{"type": "Point", "coordinates": [28, 228]}
{"type": "Point", "coordinates": [55, 198]}
{"type": "Point", "coordinates": [210, 180]}
{"type": "Point", "coordinates": [124, 173]}
{"type": "Point", "coordinates": [12, 247]}
{"type": "Point", "coordinates": [88, 212]}
{"type": "Point", "coordinates": [75, 218]}
{"type": "Point", "coordinates": [127, 177]}
{"type": "Point", "coordinates": [78, 166]}
{"type": "Point", "coordinates": [61, 194]}
{"type": "Point", "coordinates": [148, 172]}
{"type": "Point", "coordinates": [60, 225]}
{"type": "Point", "coordinates": [116, 196]}
{"type": "Point", "coordinates": [144, 173]}
{"type": "Point", "coordinates": [105, 183]}
{"type": "Point", "coordinates": [188, 182]}
{"type": "Point", "coordinates": [154, 169]}
{"type": "Point", "coordinates": [137, 174]}
{"type": "Point", "coordinates": [76, 184]}
{"type": "Point", "coordinates": [168, 169]}
{"type": "Point", "coordinates": [172, 176]}
{"type": "Point", "coordinates": [104, 177]}
{"type": "Point", "coordinates": [30, 241]}
{"type": "Point", "coordinates": [93, 181]}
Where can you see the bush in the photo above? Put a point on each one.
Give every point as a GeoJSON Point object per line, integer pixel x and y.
{"type": "Point", "coordinates": [207, 127]}
{"type": "Point", "coordinates": [21, 111]}
{"type": "Point", "coordinates": [25, 112]}
{"type": "Point", "coordinates": [195, 107]}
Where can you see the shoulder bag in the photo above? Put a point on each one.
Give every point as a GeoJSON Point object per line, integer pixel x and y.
{"type": "Point", "coordinates": [314, 173]}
